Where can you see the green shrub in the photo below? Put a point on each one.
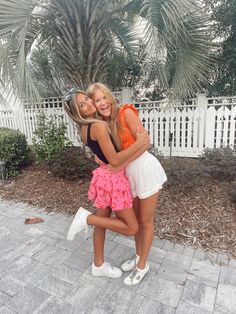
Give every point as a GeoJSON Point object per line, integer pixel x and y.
{"type": "Point", "coordinates": [220, 162]}
{"type": "Point", "coordinates": [72, 164]}
{"type": "Point", "coordinates": [13, 150]}
{"type": "Point", "coordinates": [49, 138]}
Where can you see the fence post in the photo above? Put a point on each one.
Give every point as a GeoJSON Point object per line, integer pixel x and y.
{"type": "Point", "coordinates": [202, 103]}
{"type": "Point", "coordinates": [126, 95]}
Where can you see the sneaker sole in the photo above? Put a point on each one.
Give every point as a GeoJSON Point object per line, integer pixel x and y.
{"type": "Point", "coordinates": [103, 275]}
{"type": "Point", "coordinates": [71, 233]}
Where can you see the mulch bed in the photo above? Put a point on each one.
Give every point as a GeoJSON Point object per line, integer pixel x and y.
{"type": "Point", "coordinates": [194, 210]}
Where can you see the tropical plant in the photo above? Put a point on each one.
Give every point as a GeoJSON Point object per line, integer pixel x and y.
{"type": "Point", "coordinates": [47, 72]}
{"type": "Point", "coordinates": [126, 70]}
{"type": "Point", "coordinates": [84, 34]}
{"type": "Point", "coordinates": [50, 138]}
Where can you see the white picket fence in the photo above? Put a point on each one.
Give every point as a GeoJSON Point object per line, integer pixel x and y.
{"type": "Point", "coordinates": [179, 129]}
{"type": "Point", "coordinates": [186, 129]}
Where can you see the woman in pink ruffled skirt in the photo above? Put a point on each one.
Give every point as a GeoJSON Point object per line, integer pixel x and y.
{"type": "Point", "coordinates": [108, 189]}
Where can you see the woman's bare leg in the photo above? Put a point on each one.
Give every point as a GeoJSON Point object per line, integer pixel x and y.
{"type": "Point", "coordinates": [99, 238]}
{"type": "Point", "coordinates": [127, 224]}
{"type": "Point", "coordinates": [147, 208]}
{"type": "Point", "coordinates": [138, 236]}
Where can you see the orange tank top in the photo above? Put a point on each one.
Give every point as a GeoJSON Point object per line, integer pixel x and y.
{"type": "Point", "coordinates": [124, 133]}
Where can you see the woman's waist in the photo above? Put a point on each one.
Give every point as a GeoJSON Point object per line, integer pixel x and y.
{"type": "Point", "coordinates": [106, 168]}
{"type": "Point", "coordinates": [140, 160]}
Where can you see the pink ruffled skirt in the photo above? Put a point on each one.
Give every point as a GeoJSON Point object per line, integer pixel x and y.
{"type": "Point", "coordinates": [110, 189]}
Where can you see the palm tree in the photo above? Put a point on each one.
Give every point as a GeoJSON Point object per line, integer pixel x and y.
{"type": "Point", "coordinates": [85, 33]}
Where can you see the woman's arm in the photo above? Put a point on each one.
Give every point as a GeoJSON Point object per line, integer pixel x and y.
{"type": "Point", "coordinates": [133, 157]}
{"type": "Point", "coordinates": [123, 165]}
{"type": "Point", "coordinates": [100, 133]}
{"type": "Point", "coordinates": [133, 122]}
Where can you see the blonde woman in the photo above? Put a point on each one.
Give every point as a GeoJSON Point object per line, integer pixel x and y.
{"type": "Point", "coordinates": [145, 174]}
{"type": "Point", "coordinates": [109, 190]}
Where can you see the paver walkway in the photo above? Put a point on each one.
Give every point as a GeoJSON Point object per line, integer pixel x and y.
{"type": "Point", "coordinates": [41, 272]}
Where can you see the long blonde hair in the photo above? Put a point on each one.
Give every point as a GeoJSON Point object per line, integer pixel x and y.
{"type": "Point", "coordinates": [114, 125]}
{"type": "Point", "coordinates": [72, 109]}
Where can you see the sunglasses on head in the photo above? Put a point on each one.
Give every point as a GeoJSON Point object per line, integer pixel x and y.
{"type": "Point", "coordinates": [67, 98]}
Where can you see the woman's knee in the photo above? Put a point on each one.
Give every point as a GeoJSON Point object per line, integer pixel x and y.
{"type": "Point", "coordinates": [131, 224]}
{"type": "Point", "coordinates": [133, 229]}
{"type": "Point", "coordinates": [146, 222]}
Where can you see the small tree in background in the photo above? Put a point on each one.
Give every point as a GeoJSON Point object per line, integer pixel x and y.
{"type": "Point", "coordinates": [49, 138]}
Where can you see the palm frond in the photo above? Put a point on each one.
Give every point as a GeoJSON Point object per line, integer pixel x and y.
{"type": "Point", "coordinates": [14, 13]}
{"type": "Point", "coordinates": [182, 28]}
{"type": "Point", "coordinates": [175, 32]}
{"type": "Point", "coordinates": [125, 33]}
{"type": "Point", "coordinates": [18, 31]}
{"type": "Point", "coordinates": [84, 33]}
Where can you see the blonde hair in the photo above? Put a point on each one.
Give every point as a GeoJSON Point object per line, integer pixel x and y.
{"type": "Point", "coordinates": [114, 125]}
{"type": "Point", "coordinates": [72, 109]}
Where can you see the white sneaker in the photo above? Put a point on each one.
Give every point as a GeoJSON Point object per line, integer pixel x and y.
{"type": "Point", "coordinates": [130, 263]}
{"type": "Point", "coordinates": [79, 223]}
{"type": "Point", "coordinates": [106, 270]}
{"type": "Point", "coordinates": [136, 276]}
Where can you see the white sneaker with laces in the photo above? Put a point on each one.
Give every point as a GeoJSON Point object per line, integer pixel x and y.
{"type": "Point", "coordinates": [130, 263]}
{"type": "Point", "coordinates": [106, 270]}
{"type": "Point", "coordinates": [79, 223]}
{"type": "Point", "coordinates": [136, 276]}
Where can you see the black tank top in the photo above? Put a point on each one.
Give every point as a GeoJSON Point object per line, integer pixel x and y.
{"type": "Point", "coordinates": [95, 147]}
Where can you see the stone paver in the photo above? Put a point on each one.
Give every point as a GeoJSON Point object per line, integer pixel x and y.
{"type": "Point", "coordinates": [204, 272]}
{"type": "Point", "coordinates": [27, 300]}
{"type": "Point", "coordinates": [3, 298]}
{"type": "Point", "coordinates": [56, 306]}
{"type": "Point", "coordinates": [175, 267]}
{"type": "Point", "coordinates": [226, 297]}
{"type": "Point", "coordinates": [11, 285]}
{"type": "Point", "coordinates": [153, 307]}
{"type": "Point", "coordinates": [6, 310]}
{"type": "Point", "coordinates": [83, 295]}
{"type": "Point", "coordinates": [41, 272]}
{"type": "Point", "coordinates": [199, 295]}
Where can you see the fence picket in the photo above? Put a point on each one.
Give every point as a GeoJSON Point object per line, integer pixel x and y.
{"type": "Point", "coordinates": [232, 129]}
{"type": "Point", "coordinates": [219, 116]}
{"type": "Point", "coordinates": [226, 128]}
{"type": "Point", "coordinates": [210, 127]}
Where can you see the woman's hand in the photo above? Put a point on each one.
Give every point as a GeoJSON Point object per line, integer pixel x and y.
{"type": "Point", "coordinates": [114, 169]}
{"type": "Point", "coordinates": [99, 161]}
{"type": "Point", "coordinates": [109, 167]}
{"type": "Point", "coordinates": [143, 138]}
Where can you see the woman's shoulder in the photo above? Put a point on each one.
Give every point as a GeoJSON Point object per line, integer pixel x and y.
{"type": "Point", "coordinates": [100, 124]}
{"type": "Point", "coordinates": [126, 108]}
